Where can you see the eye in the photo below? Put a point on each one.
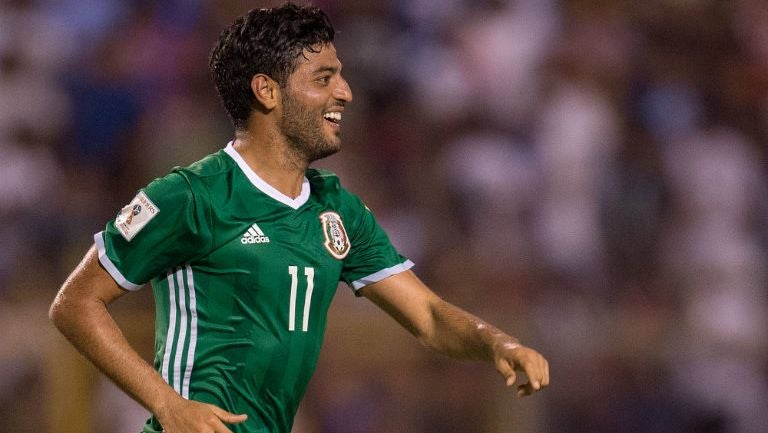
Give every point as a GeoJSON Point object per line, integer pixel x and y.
{"type": "Point", "coordinates": [324, 79]}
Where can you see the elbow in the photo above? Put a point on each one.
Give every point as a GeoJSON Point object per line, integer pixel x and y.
{"type": "Point", "coordinates": [56, 310]}
{"type": "Point", "coordinates": [435, 344]}
{"type": "Point", "coordinates": [61, 311]}
{"type": "Point", "coordinates": [423, 340]}
{"type": "Point", "coordinates": [428, 338]}
{"type": "Point", "coordinates": [429, 331]}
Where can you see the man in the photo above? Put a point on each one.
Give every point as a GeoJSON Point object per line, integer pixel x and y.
{"type": "Point", "coordinates": [245, 249]}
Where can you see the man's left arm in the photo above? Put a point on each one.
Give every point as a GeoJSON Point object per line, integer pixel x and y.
{"type": "Point", "coordinates": [452, 331]}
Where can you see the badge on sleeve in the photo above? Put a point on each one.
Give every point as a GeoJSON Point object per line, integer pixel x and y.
{"type": "Point", "coordinates": [133, 217]}
{"type": "Point", "coordinates": [336, 239]}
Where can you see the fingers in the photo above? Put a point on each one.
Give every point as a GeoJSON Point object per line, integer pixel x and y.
{"type": "Point", "coordinates": [537, 370]}
{"type": "Point", "coordinates": [511, 379]}
{"type": "Point", "coordinates": [506, 370]}
{"type": "Point", "coordinates": [221, 429]}
{"type": "Point", "coordinates": [535, 367]}
{"type": "Point", "coordinates": [228, 417]}
{"type": "Point", "coordinates": [194, 416]}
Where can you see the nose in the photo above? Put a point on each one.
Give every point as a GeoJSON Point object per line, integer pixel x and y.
{"type": "Point", "coordinates": [343, 92]}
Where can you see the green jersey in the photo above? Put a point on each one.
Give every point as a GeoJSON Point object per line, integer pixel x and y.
{"type": "Point", "coordinates": [243, 277]}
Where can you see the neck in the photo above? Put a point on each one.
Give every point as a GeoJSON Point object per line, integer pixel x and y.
{"type": "Point", "coordinates": [270, 158]}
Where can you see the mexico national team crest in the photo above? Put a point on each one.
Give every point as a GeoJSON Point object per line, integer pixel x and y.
{"type": "Point", "coordinates": [336, 239]}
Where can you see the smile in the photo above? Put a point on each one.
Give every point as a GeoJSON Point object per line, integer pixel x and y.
{"type": "Point", "coordinates": [333, 117]}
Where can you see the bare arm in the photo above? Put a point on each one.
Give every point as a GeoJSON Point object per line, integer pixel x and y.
{"type": "Point", "coordinates": [80, 312]}
{"type": "Point", "coordinates": [450, 330]}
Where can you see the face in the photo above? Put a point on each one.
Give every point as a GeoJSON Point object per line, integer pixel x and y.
{"type": "Point", "coordinates": [313, 102]}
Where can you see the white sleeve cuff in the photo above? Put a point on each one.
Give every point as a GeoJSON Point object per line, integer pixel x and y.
{"type": "Point", "coordinates": [380, 275]}
{"type": "Point", "coordinates": [116, 275]}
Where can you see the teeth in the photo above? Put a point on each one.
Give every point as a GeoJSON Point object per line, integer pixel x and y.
{"type": "Point", "coordinates": [333, 115]}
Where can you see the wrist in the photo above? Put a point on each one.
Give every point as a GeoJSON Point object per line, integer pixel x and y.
{"type": "Point", "coordinates": [505, 345]}
{"type": "Point", "coordinates": [166, 403]}
{"type": "Point", "coordinates": [511, 345]}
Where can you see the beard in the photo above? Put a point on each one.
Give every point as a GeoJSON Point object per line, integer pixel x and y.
{"type": "Point", "coordinates": [304, 131]}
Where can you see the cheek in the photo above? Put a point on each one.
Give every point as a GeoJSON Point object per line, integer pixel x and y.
{"type": "Point", "coordinates": [316, 101]}
{"type": "Point", "coordinates": [311, 96]}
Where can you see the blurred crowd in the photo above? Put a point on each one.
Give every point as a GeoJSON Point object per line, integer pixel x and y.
{"type": "Point", "coordinates": [589, 175]}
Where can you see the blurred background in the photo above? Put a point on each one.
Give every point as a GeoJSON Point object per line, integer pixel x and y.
{"type": "Point", "coordinates": [589, 175]}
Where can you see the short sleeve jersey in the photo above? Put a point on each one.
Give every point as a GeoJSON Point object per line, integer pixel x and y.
{"type": "Point", "coordinates": [243, 277]}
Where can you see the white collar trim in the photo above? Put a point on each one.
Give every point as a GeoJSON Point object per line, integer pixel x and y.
{"type": "Point", "coordinates": [266, 188]}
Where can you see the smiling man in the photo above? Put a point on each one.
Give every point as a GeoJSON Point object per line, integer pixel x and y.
{"type": "Point", "coordinates": [245, 248]}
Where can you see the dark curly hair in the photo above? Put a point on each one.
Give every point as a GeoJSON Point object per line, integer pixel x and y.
{"type": "Point", "coordinates": [264, 41]}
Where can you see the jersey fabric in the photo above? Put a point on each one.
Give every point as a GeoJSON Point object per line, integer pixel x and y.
{"type": "Point", "coordinates": [243, 277]}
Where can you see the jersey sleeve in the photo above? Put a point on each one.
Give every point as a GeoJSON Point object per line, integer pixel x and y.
{"type": "Point", "coordinates": [372, 256]}
{"type": "Point", "coordinates": [165, 225]}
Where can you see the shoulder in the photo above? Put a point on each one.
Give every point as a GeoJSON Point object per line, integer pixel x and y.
{"type": "Point", "coordinates": [191, 182]}
{"type": "Point", "coordinates": [208, 175]}
{"type": "Point", "coordinates": [321, 179]}
{"type": "Point", "coordinates": [328, 189]}
{"type": "Point", "coordinates": [327, 184]}
{"type": "Point", "coordinates": [211, 166]}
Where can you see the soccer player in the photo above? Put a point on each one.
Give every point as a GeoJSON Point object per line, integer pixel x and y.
{"type": "Point", "coordinates": [245, 248]}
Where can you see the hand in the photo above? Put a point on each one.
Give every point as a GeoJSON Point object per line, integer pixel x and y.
{"type": "Point", "coordinates": [512, 357]}
{"type": "Point", "coordinates": [187, 416]}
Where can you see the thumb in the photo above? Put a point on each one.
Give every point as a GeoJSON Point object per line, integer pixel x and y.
{"type": "Point", "coordinates": [506, 370]}
{"type": "Point", "coordinates": [228, 417]}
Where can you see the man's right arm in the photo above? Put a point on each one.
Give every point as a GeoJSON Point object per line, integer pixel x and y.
{"type": "Point", "coordinates": [80, 312]}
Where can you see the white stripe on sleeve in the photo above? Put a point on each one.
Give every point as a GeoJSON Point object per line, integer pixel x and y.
{"type": "Point", "coordinates": [116, 275]}
{"type": "Point", "coordinates": [380, 275]}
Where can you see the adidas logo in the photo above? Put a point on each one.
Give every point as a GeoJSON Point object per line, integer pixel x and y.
{"type": "Point", "coordinates": [254, 235]}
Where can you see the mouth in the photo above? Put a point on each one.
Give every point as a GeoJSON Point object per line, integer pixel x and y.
{"type": "Point", "coordinates": [334, 118]}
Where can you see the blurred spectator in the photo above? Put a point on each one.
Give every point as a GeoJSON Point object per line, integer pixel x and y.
{"type": "Point", "coordinates": [716, 180]}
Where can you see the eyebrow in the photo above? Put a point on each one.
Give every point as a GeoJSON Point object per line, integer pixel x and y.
{"type": "Point", "coordinates": [331, 69]}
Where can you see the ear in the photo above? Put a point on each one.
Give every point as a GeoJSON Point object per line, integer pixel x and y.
{"type": "Point", "coordinates": [266, 90]}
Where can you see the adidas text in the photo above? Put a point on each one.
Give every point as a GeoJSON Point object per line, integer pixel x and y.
{"type": "Point", "coordinates": [247, 239]}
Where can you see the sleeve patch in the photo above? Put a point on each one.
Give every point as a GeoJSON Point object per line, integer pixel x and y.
{"type": "Point", "coordinates": [137, 214]}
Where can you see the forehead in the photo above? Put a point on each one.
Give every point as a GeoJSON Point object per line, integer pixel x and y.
{"type": "Point", "coordinates": [311, 62]}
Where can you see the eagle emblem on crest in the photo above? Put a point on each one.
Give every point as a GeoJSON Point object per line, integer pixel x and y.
{"type": "Point", "coordinates": [336, 239]}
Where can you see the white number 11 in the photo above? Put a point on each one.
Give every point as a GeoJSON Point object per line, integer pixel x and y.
{"type": "Point", "coordinates": [310, 274]}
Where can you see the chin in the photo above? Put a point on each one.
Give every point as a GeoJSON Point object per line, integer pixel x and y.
{"type": "Point", "coordinates": [323, 150]}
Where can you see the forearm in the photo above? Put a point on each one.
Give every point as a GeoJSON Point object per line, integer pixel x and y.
{"type": "Point", "coordinates": [88, 325]}
{"type": "Point", "coordinates": [452, 331]}
{"type": "Point", "coordinates": [80, 312]}
{"type": "Point", "coordinates": [459, 334]}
